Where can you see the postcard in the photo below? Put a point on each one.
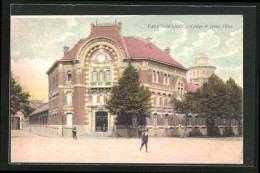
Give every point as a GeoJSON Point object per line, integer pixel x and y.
{"type": "Point", "coordinates": [150, 89]}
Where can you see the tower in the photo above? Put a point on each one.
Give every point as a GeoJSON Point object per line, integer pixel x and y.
{"type": "Point", "coordinates": [201, 70]}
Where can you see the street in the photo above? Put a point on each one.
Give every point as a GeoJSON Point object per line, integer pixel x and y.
{"type": "Point", "coordinates": [26, 147]}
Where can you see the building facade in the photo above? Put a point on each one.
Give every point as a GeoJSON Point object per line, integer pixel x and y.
{"type": "Point", "coordinates": [201, 70]}
{"type": "Point", "coordinates": [81, 81]}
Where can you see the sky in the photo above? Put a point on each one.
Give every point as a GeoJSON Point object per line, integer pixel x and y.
{"type": "Point", "coordinates": [37, 41]}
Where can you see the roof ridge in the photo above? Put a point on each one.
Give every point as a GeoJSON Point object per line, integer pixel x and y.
{"type": "Point", "coordinates": [123, 42]}
{"type": "Point", "coordinates": [158, 48]}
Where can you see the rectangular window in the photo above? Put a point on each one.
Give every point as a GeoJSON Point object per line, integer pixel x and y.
{"type": "Point", "coordinates": [94, 99]}
{"type": "Point", "coordinates": [196, 121]}
{"type": "Point", "coordinates": [168, 80]}
{"type": "Point", "coordinates": [154, 120]}
{"type": "Point", "coordinates": [157, 77]}
{"type": "Point", "coordinates": [188, 121]}
{"type": "Point", "coordinates": [215, 122]}
{"type": "Point", "coordinates": [202, 121]}
{"type": "Point", "coordinates": [98, 99]}
{"type": "Point", "coordinates": [153, 76]}
{"type": "Point", "coordinates": [69, 75]}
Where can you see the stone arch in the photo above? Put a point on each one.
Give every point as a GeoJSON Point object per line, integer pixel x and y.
{"type": "Point", "coordinates": [91, 46]}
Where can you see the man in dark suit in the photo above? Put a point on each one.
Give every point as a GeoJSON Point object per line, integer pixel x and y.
{"type": "Point", "coordinates": [145, 140]}
{"type": "Point", "coordinates": [74, 133]}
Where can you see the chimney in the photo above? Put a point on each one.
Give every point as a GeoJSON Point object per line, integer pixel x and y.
{"type": "Point", "coordinates": [148, 40]}
{"type": "Point", "coordinates": [66, 50]}
{"type": "Point", "coordinates": [119, 25]}
{"type": "Point", "coordinates": [167, 50]}
{"type": "Point", "coordinates": [92, 25]}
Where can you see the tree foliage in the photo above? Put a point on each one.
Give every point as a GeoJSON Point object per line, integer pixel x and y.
{"type": "Point", "coordinates": [213, 98]}
{"type": "Point", "coordinates": [235, 99]}
{"type": "Point", "coordinates": [129, 97]}
{"type": "Point", "coordinates": [186, 105]}
{"type": "Point", "coordinates": [19, 99]}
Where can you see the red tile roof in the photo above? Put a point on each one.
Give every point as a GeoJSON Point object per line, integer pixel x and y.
{"type": "Point", "coordinates": [110, 32]}
{"type": "Point", "coordinates": [132, 47]}
{"type": "Point", "coordinates": [138, 48]}
{"type": "Point", "coordinates": [73, 52]}
{"type": "Point", "coordinates": [40, 109]}
{"type": "Point", "coordinates": [192, 87]}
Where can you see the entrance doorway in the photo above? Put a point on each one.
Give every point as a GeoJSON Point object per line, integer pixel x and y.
{"type": "Point", "coordinates": [101, 121]}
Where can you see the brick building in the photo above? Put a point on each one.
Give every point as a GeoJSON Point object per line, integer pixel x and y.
{"type": "Point", "coordinates": [81, 81]}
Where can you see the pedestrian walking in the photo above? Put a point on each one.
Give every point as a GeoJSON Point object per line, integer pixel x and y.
{"type": "Point", "coordinates": [145, 140]}
{"type": "Point", "coordinates": [139, 132]}
{"type": "Point", "coordinates": [74, 133]}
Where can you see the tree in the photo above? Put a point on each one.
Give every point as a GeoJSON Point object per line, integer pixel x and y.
{"type": "Point", "coordinates": [235, 101]}
{"type": "Point", "coordinates": [186, 105]}
{"type": "Point", "coordinates": [129, 98]}
{"type": "Point", "coordinates": [212, 101]}
{"type": "Point", "coordinates": [19, 99]}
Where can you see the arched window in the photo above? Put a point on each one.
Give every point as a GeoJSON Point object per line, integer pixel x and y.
{"type": "Point", "coordinates": [94, 76]}
{"type": "Point", "coordinates": [181, 88]}
{"type": "Point", "coordinates": [101, 76]}
{"type": "Point", "coordinates": [168, 79]}
{"type": "Point", "coordinates": [108, 76]}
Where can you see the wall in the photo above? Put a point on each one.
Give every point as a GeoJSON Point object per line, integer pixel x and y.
{"type": "Point", "coordinates": [175, 131]}
{"type": "Point", "coordinates": [56, 130]}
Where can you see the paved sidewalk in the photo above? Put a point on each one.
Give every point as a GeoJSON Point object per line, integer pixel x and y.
{"type": "Point", "coordinates": [26, 147]}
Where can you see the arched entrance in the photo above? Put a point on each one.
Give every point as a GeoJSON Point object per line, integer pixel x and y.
{"type": "Point", "coordinates": [101, 121]}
